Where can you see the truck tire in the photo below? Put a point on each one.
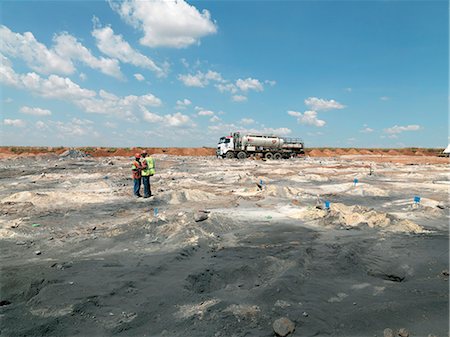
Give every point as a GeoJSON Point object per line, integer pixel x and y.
{"type": "Point", "coordinates": [241, 155]}
{"type": "Point", "coordinates": [268, 155]}
{"type": "Point", "coordinates": [229, 155]}
{"type": "Point", "coordinates": [277, 156]}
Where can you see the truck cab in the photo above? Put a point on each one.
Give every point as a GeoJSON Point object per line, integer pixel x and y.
{"type": "Point", "coordinates": [225, 144]}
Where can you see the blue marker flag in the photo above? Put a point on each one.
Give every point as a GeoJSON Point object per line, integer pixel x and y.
{"type": "Point", "coordinates": [327, 204]}
{"type": "Point", "coordinates": [416, 199]}
{"type": "Point", "coordinates": [355, 181]}
{"type": "Point", "coordinates": [155, 211]}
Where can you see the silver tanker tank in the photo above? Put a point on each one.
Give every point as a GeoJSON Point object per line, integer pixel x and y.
{"type": "Point", "coordinates": [264, 141]}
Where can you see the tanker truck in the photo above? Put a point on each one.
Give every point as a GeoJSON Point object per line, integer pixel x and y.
{"type": "Point", "coordinates": [241, 146]}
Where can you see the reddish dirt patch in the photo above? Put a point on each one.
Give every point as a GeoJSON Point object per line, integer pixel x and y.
{"type": "Point", "coordinates": [408, 155]}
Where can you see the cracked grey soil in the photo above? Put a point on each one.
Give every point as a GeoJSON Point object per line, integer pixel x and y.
{"type": "Point", "coordinates": [110, 268]}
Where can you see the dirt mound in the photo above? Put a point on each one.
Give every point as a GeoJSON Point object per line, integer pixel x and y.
{"type": "Point", "coordinates": [72, 153]}
{"type": "Point", "coordinates": [340, 152]}
{"type": "Point", "coordinates": [315, 153]}
{"type": "Point", "coordinates": [393, 153]}
{"type": "Point", "coordinates": [354, 216]}
{"type": "Point", "coordinates": [352, 152]}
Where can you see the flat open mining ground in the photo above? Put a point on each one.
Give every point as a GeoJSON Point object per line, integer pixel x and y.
{"type": "Point", "coordinates": [80, 256]}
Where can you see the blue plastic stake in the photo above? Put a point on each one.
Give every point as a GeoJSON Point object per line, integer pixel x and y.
{"type": "Point", "coordinates": [327, 204]}
{"type": "Point", "coordinates": [417, 199]}
{"type": "Point", "coordinates": [261, 182]}
{"type": "Point", "coordinates": [155, 211]}
{"type": "Point", "coordinates": [355, 181]}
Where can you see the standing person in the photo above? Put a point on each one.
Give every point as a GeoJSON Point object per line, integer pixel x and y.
{"type": "Point", "coordinates": [136, 168]}
{"type": "Point", "coordinates": [148, 169]}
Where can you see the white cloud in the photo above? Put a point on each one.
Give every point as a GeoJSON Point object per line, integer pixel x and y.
{"type": "Point", "coordinates": [177, 119]}
{"type": "Point", "coordinates": [205, 113]}
{"type": "Point", "coordinates": [74, 128]}
{"type": "Point", "coordinates": [366, 130]}
{"type": "Point", "coordinates": [64, 89]}
{"type": "Point", "coordinates": [239, 98]}
{"type": "Point", "coordinates": [271, 83]}
{"type": "Point", "coordinates": [67, 46]}
{"type": "Point", "coordinates": [35, 54]}
{"type": "Point", "coordinates": [139, 77]}
{"type": "Point", "coordinates": [166, 23]}
{"type": "Point", "coordinates": [214, 119]}
{"type": "Point", "coordinates": [173, 120]}
{"type": "Point", "coordinates": [182, 104]}
{"type": "Point", "coordinates": [307, 118]}
{"type": "Point", "coordinates": [115, 46]}
{"type": "Point", "coordinates": [200, 79]}
{"type": "Point", "coordinates": [56, 60]}
{"type": "Point", "coordinates": [247, 121]}
{"type": "Point", "coordinates": [399, 129]}
{"type": "Point", "coordinates": [110, 125]}
{"type": "Point", "coordinates": [318, 104]}
{"type": "Point", "coordinates": [384, 98]}
{"type": "Point", "coordinates": [35, 111]}
{"type": "Point", "coordinates": [14, 122]}
{"type": "Point", "coordinates": [227, 87]}
{"type": "Point", "coordinates": [270, 131]}
{"type": "Point", "coordinates": [348, 89]}
{"type": "Point", "coordinates": [83, 76]}
{"type": "Point", "coordinates": [249, 84]}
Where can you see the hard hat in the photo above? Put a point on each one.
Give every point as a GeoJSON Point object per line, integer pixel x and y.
{"type": "Point", "coordinates": [137, 155]}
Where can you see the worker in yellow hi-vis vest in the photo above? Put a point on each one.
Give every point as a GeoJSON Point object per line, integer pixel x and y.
{"type": "Point", "coordinates": [148, 169]}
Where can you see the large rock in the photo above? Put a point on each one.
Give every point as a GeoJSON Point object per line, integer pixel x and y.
{"type": "Point", "coordinates": [403, 332]}
{"type": "Point", "coordinates": [200, 216]}
{"type": "Point", "coordinates": [388, 333]}
{"type": "Point", "coordinates": [283, 326]}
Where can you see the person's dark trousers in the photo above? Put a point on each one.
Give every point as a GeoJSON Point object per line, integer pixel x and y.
{"type": "Point", "coordinates": [137, 187]}
{"type": "Point", "coordinates": [146, 183]}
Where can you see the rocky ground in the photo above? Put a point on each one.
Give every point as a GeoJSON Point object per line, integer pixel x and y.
{"type": "Point", "coordinates": [224, 248]}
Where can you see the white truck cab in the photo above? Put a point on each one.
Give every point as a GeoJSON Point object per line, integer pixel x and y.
{"type": "Point", "coordinates": [225, 144]}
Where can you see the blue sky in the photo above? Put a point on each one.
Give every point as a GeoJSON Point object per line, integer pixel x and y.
{"type": "Point", "coordinates": [146, 73]}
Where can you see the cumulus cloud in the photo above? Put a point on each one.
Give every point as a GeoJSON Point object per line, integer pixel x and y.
{"type": "Point", "coordinates": [230, 87]}
{"type": "Point", "coordinates": [57, 87]}
{"type": "Point", "coordinates": [200, 79]}
{"type": "Point", "coordinates": [14, 122]}
{"type": "Point", "coordinates": [173, 120]}
{"type": "Point", "coordinates": [214, 119]}
{"type": "Point", "coordinates": [183, 104]}
{"type": "Point", "coordinates": [239, 98]}
{"type": "Point", "coordinates": [139, 77]}
{"type": "Point", "coordinates": [318, 104]}
{"type": "Point", "coordinates": [396, 129]}
{"type": "Point", "coordinates": [35, 111]}
{"type": "Point", "coordinates": [307, 118]}
{"type": "Point", "coordinates": [166, 23]}
{"type": "Point", "coordinates": [249, 84]}
{"type": "Point", "coordinates": [247, 121]}
{"type": "Point", "coordinates": [366, 130]}
{"type": "Point", "coordinates": [271, 83]}
{"type": "Point", "coordinates": [205, 113]}
{"type": "Point", "coordinates": [74, 128]}
{"type": "Point", "coordinates": [56, 60]}
{"type": "Point", "coordinates": [115, 46]}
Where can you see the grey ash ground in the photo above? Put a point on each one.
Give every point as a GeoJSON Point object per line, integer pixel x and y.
{"type": "Point", "coordinates": [109, 267]}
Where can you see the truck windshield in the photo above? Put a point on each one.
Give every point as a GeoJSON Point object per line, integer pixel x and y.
{"type": "Point", "coordinates": [224, 140]}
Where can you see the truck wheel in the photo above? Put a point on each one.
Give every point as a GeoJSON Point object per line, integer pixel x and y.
{"type": "Point", "coordinates": [277, 156]}
{"type": "Point", "coordinates": [242, 155]}
{"type": "Point", "coordinates": [268, 155]}
{"type": "Point", "coordinates": [230, 155]}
